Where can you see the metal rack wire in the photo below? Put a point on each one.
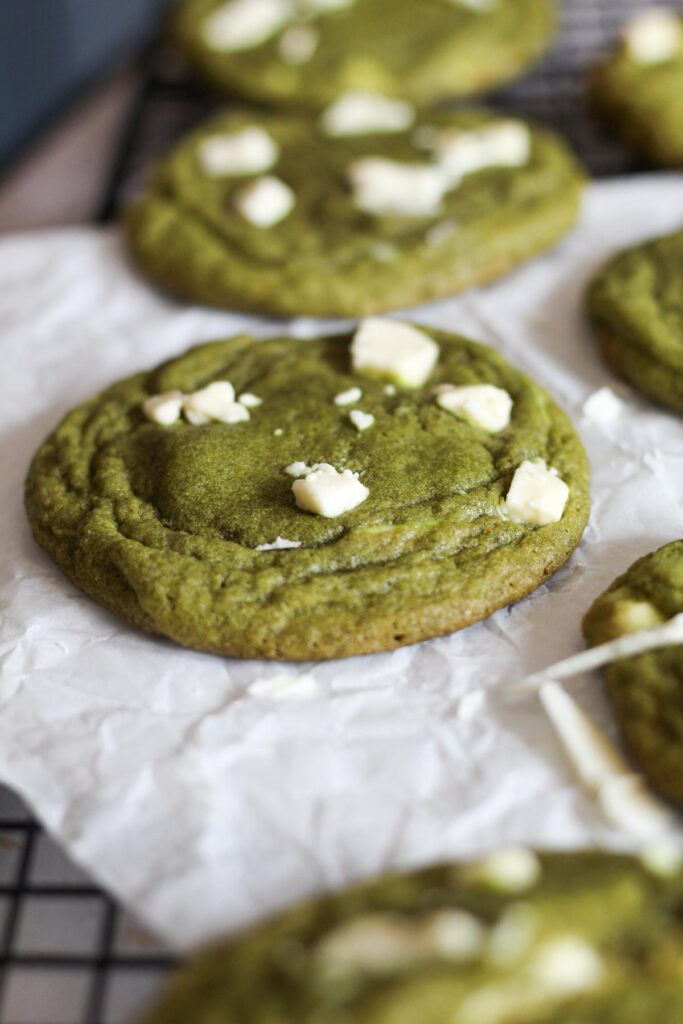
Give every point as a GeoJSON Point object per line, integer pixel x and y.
{"type": "Point", "coordinates": [84, 961]}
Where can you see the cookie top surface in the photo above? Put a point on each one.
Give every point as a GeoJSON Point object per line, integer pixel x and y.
{"type": "Point", "coordinates": [163, 524]}
{"type": "Point", "coordinates": [518, 938]}
{"type": "Point", "coordinates": [284, 214]}
{"type": "Point", "coordinates": [646, 691]}
{"type": "Point", "coordinates": [638, 300]}
{"type": "Point", "coordinates": [639, 88]}
{"type": "Point", "coordinates": [308, 52]}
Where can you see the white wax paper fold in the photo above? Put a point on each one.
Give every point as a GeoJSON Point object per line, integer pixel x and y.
{"type": "Point", "coordinates": [207, 793]}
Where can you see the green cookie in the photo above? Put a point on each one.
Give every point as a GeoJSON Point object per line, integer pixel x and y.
{"type": "Point", "coordinates": [641, 96]}
{"type": "Point", "coordinates": [165, 524]}
{"type": "Point", "coordinates": [308, 52]}
{"type": "Point", "coordinates": [582, 938]}
{"type": "Point", "coordinates": [355, 224]}
{"type": "Point", "coordinates": [636, 302]}
{"type": "Point", "coordinates": [646, 691]}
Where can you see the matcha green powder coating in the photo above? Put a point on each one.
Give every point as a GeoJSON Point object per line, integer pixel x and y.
{"type": "Point", "coordinates": [624, 920]}
{"type": "Point", "coordinates": [443, 48]}
{"type": "Point", "coordinates": [647, 691]}
{"type": "Point", "coordinates": [160, 523]}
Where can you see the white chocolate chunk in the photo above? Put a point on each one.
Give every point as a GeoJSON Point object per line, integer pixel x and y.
{"type": "Point", "coordinates": [515, 869]}
{"type": "Point", "coordinates": [654, 36]}
{"type": "Point", "coordinates": [349, 397]}
{"type": "Point", "coordinates": [389, 188]}
{"type": "Point", "coordinates": [567, 966]}
{"type": "Point", "coordinates": [216, 402]}
{"type": "Point", "coordinates": [621, 795]}
{"type": "Point", "coordinates": [298, 44]}
{"type": "Point", "coordinates": [537, 495]}
{"type": "Point", "coordinates": [384, 943]}
{"type": "Point", "coordinates": [250, 401]}
{"type": "Point", "coordinates": [603, 406]}
{"type": "Point", "coordinates": [390, 389]}
{"type": "Point", "coordinates": [278, 432]}
{"type": "Point", "coordinates": [363, 113]}
{"type": "Point", "coordinates": [265, 202]}
{"type": "Point", "coordinates": [391, 349]}
{"type": "Point", "coordinates": [481, 405]}
{"type": "Point", "coordinates": [459, 153]}
{"type": "Point", "coordinates": [662, 859]}
{"type": "Point", "coordinates": [244, 24]}
{"type": "Point", "coordinates": [248, 151]}
{"type": "Point", "coordinates": [634, 617]}
{"type": "Point", "coordinates": [361, 420]}
{"type": "Point", "coordinates": [164, 409]}
{"type": "Point", "coordinates": [279, 544]}
{"type": "Point", "coordinates": [298, 469]}
{"type": "Point", "coordinates": [328, 493]}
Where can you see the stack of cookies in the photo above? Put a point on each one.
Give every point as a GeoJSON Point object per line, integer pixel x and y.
{"type": "Point", "coordinates": [388, 483]}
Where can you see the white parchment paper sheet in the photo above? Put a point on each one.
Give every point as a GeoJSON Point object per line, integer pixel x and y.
{"type": "Point", "coordinates": [206, 792]}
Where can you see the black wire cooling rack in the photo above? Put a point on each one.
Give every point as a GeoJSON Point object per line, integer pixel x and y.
{"type": "Point", "coordinates": [68, 953]}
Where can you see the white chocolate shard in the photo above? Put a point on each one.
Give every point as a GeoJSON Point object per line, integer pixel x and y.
{"type": "Point", "coordinates": [390, 349]}
{"type": "Point", "coordinates": [164, 409]}
{"type": "Point", "coordinates": [654, 36]}
{"type": "Point", "coordinates": [248, 151]}
{"type": "Point", "coordinates": [245, 24]}
{"type": "Point", "coordinates": [537, 495]}
{"type": "Point", "coordinates": [365, 113]}
{"type": "Point", "coordinates": [361, 420]}
{"type": "Point", "coordinates": [480, 405]}
{"type": "Point", "coordinates": [348, 397]}
{"type": "Point", "coordinates": [385, 188]}
{"type": "Point", "coordinates": [328, 493]}
{"type": "Point", "coordinates": [265, 202]}
{"type": "Point", "coordinates": [214, 403]}
{"type": "Point", "coordinates": [279, 544]}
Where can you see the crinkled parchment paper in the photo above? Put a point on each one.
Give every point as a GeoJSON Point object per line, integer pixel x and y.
{"type": "Point", "coordinates": [206, 792]}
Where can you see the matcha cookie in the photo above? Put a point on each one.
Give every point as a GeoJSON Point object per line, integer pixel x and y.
{"type": "Point", "coordinates": [646, 691]}
{"type": "Point", "coordinates": [309, 52]}
{"type": "Point", "coordinates": [366, 209]}
{"type": "Point", "coordinates": [636, 302]}
{"type": "Point", "coordinates": [313, 499]}
{"type": "Point", "coordinates": [638, 90]}
{"type": "Point", "coordinates": [518, 938]}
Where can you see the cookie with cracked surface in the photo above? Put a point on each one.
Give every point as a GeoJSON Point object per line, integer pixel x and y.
{"type": "Point", "coordinates": [636, 304]}
{"type": "Point", "coordinates": [519, 938]}
{"type": "Point", "coordinates": [292, 216]}
{"type": "Point", "coordinates": [307, 52]}
{"type": "Point", "coordinates": [646, 691]}
{"type": "Point", "coordinates": [288, 528]}
{"type": "Point", "coordinates": [638, 89]}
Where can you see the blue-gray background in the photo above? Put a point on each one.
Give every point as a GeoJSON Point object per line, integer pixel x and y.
{"type": "Point", "coordinates": [49, 48]}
